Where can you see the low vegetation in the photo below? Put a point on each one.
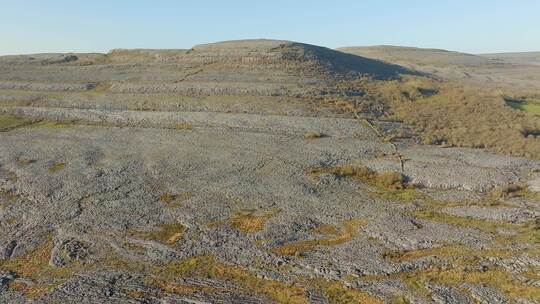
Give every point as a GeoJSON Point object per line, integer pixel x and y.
{"type": "Point", "coordinates": [431, 209]}
{"type": "Point", "coordinates": [57, 167]}
{"type": "Point", "coordinates": [529, 106]}
{"type": "Point", "coordinates": [464, 268]}
{"type": "Point", "coordinates": [52, 124]}
{"type": "Point", "coordinates": [8, 122]}
{"type": "Point", "coordinates": [167, 198]}
{"type": "Point", "coordinates": [210, 268]}
{"type": "Point", "coordinates": [457, 276]}
{"type": "Point", "coordinates": [508, 191]}
{"type": "Point", "coordinates": [339, 294]}
{"type": "Point", "coordinates": [251, 221]}
{"type": "Point", "coordinates": [174, 200]}
{"type": "Point", "coordinates": [313, 135]}
{"type": "Point", "coordinates": [182, 126]}
{"type": "Point", "coordinates": [449, 114]}
{"type": "Point", "coordinates": [34, 266]}
{"type": "Point", "coordinates": [456, 264]}
{"type": "Point", "coordinates": [388, 180]}
{"type": "Point", "coordinates": [332, 237]}
{"type": "Point", "coordinates": [25, 161]}
{"type": "Point", "coordinates": [167, 233]}
{"type": "Point", "coordinates": [32, 291]}
{"type": "Point", "coordinates": [165, 278]}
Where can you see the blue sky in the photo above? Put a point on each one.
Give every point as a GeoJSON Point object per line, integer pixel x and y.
{"type": "Point", "coordinates": [31, 26]}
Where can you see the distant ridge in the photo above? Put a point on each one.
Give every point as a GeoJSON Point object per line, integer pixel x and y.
{"type": "Point", "coordinates": [528, 58]}
{"type": "Point", "coordinates": [310, 59]}
{"type": "Point", "coordinates": [422, 56]}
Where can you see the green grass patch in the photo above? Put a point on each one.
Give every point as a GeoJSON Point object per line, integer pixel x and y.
{"type": "Point", "coordinates": [533, 108]}
{"type": "Point", "coordinates": [52, 124]}
{"type": "Point", "coordinates": [8, 122]}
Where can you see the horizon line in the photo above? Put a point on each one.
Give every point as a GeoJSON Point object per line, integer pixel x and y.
{"type": "Point", "coordinates": [333, 48]}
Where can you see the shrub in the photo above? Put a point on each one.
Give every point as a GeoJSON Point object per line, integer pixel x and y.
{"type": "Point", "coordinates": [57, 167]}
{"type": "Point", "coordinates": [182, 126]}
{"type": "Point", "coordinates": [313, 135]}
{"type": "Point", "coordinates": [391, 180]}
{"type": "Point", "coordinates": [450, 114]}
{"type": "Point", "coordinates": [167, 198]}
{"type": "Point", "coordinates": [507, 191]}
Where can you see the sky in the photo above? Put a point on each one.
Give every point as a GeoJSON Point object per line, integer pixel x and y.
{"type": "Point", "coordinates": [473, 26]}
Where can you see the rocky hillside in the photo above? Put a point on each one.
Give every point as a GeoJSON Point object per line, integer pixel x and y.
{"type": "Point", "coordinates": [259, 171]}
{"type": "Point", "coordinates": [511, 72]}
{"type": "Point", "coordinates": [157, 79]}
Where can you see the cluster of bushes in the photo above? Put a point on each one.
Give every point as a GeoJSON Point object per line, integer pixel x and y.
{"type": "Point", "coordinates": [456, 115]}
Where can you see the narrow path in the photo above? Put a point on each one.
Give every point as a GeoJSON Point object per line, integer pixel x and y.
{"type": "Point", "coordinates": [198, 71]}
{"type": "Point", "coordinates": [383, 139]}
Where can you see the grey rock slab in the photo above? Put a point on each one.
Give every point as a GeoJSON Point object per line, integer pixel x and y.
{"type": "Point", "coordinates": [269, 123]}
{"type": "Point", "coordinates": [504, 214]}
{"type": "Point", "coordinates": [466, 169]}
{"type": "Point", "coordinates": [486, 295]}
{"type": "Point", "coordinates": [534, 183]}
{"type": "Point", "coordinates": [447, 295]}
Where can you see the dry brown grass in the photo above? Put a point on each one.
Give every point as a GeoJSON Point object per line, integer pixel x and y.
{"type": "Point", "coordinates": [137, 294]}
{"type": "Point", "coordinates": [182, 126]}
{"type": "Point", "coordinates": [339, 294]}
{"type": "Point", "coordinates": [209, 267]}
{"type": "Point", "coordinates": [251, 221]}
{"type": "Point", "coordinates": [450, 114]}
{"type": "Point", "coordinates": [496, 278]}
{"type": "Point", "coordinates": [25, 161]}
{"type": "Point", "coordinates": [32, 291]}
{"type": "Point", "coordinates": [179, 289]}
{"type": "Point", "coordinates": [102, 87]}
{"type": "Point", "coordinates": [167, 233]}
{"type": "Point", "coordinates": [57, 167]}
{"type": "Point", "coordinates": [9, 122]}
{"type": "Point", "coordinates": [463, 261]}
{"type": "Point", "coordinates": [386, 180]}
{"type": "Point", "coordinates": [390, 180]}
{"type": "Point", "coordinates": [333, 237]}
{"type": "Point", "coordinates": [174, 200]}
{"type": "Point", "coordinates": [478, 123]}
{"type": "Point", "coordinates": [507, 191]}
{"type": "Point", "coordinates": [34, 266]}
{"type": "Point", "coordinates": [326, 230]}
{"type": "Point", "coordinates": [167, 198]}
{"type": "Point", "coordinates": [513, 190]}
{"type": "Point", "coordinates": [313, 135]}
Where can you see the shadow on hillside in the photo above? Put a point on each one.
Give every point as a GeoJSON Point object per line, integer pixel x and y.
{"type": "Point", "coordinates": [348, 63]}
